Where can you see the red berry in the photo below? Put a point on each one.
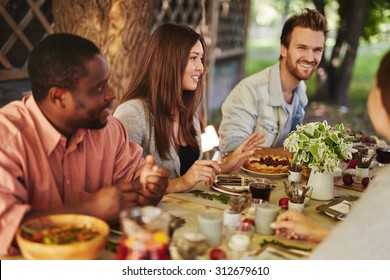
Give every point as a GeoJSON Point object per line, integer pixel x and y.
{"type": "Point", "coordinates": [365, 181]}
{"type": "Point", "coordinates": [347, 179]}
{"type": "Point", "coordinates": [218, 254]}
{"type": "Point", "coordinates": [283, 203]}
{"type": "Point", "coordinates": [249, 221]}
{"type": "Point", "coordinates": [246, 226]}
{"type": "Point", "coordinates": [352, 163]}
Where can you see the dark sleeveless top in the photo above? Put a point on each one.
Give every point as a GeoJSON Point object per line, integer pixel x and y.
{"type": "Point", "coordinates": [187, 158]}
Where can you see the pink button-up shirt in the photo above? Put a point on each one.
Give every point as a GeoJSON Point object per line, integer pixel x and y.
{"type": "Point", "coordinates": [40, 170]}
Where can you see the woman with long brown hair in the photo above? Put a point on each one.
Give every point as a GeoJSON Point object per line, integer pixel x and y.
{"type": "Point", "coordinates": [160, 107]}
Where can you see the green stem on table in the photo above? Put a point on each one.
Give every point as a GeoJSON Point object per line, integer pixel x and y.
{"type": "Point", "coordinates": [221, 197]}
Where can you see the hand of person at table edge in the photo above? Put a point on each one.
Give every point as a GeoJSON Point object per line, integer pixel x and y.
{"type": "Point", "coordinates": [201, 171]}
{"type": "Point", "coordinates": [234, 160]}
{"type": "Point", "coordinates": [294, 225]}
{"type": "Point", "coordinates": [153, 182]}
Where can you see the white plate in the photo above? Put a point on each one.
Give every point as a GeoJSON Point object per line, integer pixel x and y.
{"type": "Point", "coordinates": [234, 188]}
{"type": "Point", "coordinates": [265, 175]}
{"type": "Point", "coordinates": [224, 191]}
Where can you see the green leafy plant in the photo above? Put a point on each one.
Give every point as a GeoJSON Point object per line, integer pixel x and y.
{"type": "Point", "coordinates": [318, 145]}
{"type": "Point", "coordinates": [221, 197]}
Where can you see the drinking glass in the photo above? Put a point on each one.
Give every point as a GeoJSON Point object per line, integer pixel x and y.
{"type": "Point", "coordinates": [383, 155]}
{"type": "Point", "coordinates": [261, 188]}
{"type": "Point", "coordinates": [145, 234]}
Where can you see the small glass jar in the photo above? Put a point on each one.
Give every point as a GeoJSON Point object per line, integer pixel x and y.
{"type": "Point", "coordinates": [191, 245]}
{"type": "Point", "coordinates": [145, 234]}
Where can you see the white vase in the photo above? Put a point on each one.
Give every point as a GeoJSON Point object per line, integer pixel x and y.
{"type": "Point", "coordinates": [322, 184]}
{"type": "Point", "coordinates": [298, 206]}
{"type": "Point", "coordinates": [360, 173]}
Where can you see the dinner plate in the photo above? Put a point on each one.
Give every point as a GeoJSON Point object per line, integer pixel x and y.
{"type": "Point", "coordinates": [265, 175]}
{"type": "Point", "coordinates": [338, 208]}
{"type": "Point", "coordinates": [233, 183]}
{"type": "Point", "coordinates": [232, 188]}
{"type": "Point", "coordinates": [225, 191]}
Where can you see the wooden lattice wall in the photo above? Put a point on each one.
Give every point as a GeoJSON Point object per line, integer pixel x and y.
{"type": "Point", "coordinates": [22, 25]}
{"type": "Point", "coordinates": [222, 22]}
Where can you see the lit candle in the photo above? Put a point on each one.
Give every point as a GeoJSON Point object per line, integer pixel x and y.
{"type": "Point", "coordinates": [239, 242]}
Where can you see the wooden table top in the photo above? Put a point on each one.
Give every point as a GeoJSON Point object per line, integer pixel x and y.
{"type": "Point", "coordinates": [188, 206]}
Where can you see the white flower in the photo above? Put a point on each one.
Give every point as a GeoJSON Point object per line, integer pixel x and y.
{"type": "Point", "coordinates": [319, 145]}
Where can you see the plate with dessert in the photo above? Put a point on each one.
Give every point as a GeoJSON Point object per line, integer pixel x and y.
{"type": "Point", "coordinates": [269, 165]}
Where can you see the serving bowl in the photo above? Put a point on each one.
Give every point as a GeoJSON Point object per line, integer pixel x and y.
{"type": "Point", "coordinates": [77, 249]}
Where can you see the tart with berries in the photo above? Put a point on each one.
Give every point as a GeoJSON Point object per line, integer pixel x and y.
{"type": "Point", "coordinates": [269, 164]}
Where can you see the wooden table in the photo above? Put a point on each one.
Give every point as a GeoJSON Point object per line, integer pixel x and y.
{"type": "Point", "coordinates": [188, 206]}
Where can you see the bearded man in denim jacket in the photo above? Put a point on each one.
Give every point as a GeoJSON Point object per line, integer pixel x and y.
{"type": "Point", "coordinates": [272, 101]}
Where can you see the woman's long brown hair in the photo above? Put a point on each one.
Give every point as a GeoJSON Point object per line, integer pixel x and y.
{"type": "Point", "coordinates": [159, 81]}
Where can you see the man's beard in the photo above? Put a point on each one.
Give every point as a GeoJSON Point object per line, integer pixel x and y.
{"type": "Point", "coordinates": [298, 73]}
{"type": "Point", "coordinates": [93, 122]}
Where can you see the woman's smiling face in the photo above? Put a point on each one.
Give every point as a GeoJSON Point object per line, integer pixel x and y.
{"type": "Point", "coordinates": [194, 67]}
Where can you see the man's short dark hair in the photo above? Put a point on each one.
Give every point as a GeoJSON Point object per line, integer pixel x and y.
{"type": "Point", "coordinates": [58, 60]}
{"type": "Point", "coordinates": [307, 19]}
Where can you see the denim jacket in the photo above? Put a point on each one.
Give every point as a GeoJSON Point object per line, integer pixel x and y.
{"type": "Point", "coordinates": [256, 104]}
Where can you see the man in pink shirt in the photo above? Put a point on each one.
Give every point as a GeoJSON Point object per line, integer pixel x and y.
{"type": "Point", "coordinates": [61, 150]}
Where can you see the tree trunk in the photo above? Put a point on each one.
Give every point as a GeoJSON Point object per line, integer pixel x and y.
{"type": "Point", "coordinates": [338, 73]}
{"type": "Point", "coordinates": [322, 81]}
{"type": "Point", "coordinates": [357, 15]}
{"type": "Point", "coordinates": [335, 58]}
{"type": "Point", "coordinates": [120, 28]}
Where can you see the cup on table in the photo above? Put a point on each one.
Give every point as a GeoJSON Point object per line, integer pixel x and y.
{"type": "Point", "coordinates": [265, 215]}
{"type": "Point", "coordinates": [252, 209]}
{"type": "Point", "coordinates": [140, 226]}
{"type": "Point", "coordinates": [309, 191]}
{"type": "Point", "coordinates": [299, 206]}
{"type": "Point", "coordinates": [210, 224]}
{"type": "Point", "coordinates": [240, 238]}
{"type": "Point", "coordinates": [231, 220]}
{"type": "Point", "coordinates": [261, 188]}
{"type": "Point", "coordinates": [383, 155]}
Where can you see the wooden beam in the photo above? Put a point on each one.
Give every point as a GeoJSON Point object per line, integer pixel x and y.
{"type": "Point", "coordinates": [5, 61]}
{"type": "Point", "coordinates": [40, 16]}
{"type": "Point", "coordinates": [22, 25]}
{"type": "Point", "coordinates": [13, 74]}
{"type": "Point", "coordinates": [15, 28]}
